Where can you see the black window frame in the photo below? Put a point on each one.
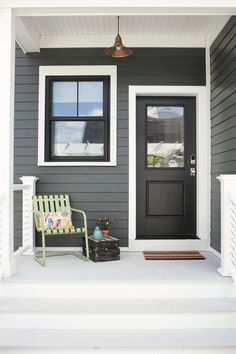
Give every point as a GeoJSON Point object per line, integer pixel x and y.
{"type": "Point", "coordinates": [49, 118]}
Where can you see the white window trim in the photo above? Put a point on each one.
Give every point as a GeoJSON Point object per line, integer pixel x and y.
{"type": "Point", "coordinates": [203, 167]}
{"type": "Point", "coordinates": [77, 70]}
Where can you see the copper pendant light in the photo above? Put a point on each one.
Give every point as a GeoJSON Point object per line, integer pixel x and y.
{"type": "Point", "coordinates": [118, 50]}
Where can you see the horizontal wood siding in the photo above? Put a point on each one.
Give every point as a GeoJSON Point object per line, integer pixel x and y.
{"type": "Point", "coordinates": [100, 191]}
{"type": "Point", "coordinates": [223, 118]}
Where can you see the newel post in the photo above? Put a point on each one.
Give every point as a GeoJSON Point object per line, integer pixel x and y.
{"type": "Point", "coordinates": [228, 194]}
{"type": "Point", "coordinates": [28, 229]}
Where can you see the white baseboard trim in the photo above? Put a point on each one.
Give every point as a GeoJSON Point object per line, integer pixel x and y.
{"type": "Point", "coordinates": [152, 245]}
{"type": "Point", "coordinates": [65, 249]}
{"type": "Point", "coordinates": [213, 251]}
{"type": "Point", "coordinates": [48, 350]}
{"type": "Point", "coordinates": [168, 245]}
{"type": "Point", "coordinates": [140, 246]}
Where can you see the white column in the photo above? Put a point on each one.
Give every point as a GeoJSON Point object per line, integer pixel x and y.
{"type": "Point", "coordinates": [227, 194]}
{"type": "Point", "coordinates": [7, 73]}
{"type": "Point", "coordinates": [28, 229]}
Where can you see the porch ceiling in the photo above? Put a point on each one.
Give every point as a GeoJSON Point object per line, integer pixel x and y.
{"type": "Point", "coordinates": [129, 25]}
{"type": "Point", "coordinates": [35, 32]}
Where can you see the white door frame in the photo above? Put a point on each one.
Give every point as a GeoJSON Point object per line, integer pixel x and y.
{"type": "Point", "coordinates": [203, 167]}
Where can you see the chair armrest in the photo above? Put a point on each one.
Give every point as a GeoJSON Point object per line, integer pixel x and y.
{"type": "Point", "coordinates": [83, 213]}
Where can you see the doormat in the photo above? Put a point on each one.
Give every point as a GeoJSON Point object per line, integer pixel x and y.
{"type": "Point", "coordinates": [172, 255]}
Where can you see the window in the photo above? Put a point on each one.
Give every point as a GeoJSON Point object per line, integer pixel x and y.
{"type": "Point", "coordinates": [165, 136]}
{"type": "Point", "coordinates": [77, 115]}
{"type": "Point", "coordinates": [77, 118]}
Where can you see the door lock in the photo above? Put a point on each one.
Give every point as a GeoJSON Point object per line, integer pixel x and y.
{"type": "Point", "coordinates": [192, 159]}
{"type": "Point", "coordinates": [192, 171]}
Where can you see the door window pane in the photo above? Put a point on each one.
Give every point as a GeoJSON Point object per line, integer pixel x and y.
{"type": "Point", "coordinates": [90, 98]}
{"type": "Point", "coordinates": [64, 99]}
{"type": "Point", "coordinates": [165, 136]}
{"type": "Point", "coordinates": [77, 138]}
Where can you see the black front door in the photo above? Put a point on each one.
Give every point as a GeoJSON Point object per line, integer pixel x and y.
{"type": "Point", "coordinates": [166, 167]}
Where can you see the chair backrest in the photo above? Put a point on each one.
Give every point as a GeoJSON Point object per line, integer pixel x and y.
{"type": "Point", "coordinates": [49, 203]}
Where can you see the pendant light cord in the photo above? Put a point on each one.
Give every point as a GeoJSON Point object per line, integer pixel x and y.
{"type": "Point", "coordinates": [118, 24]}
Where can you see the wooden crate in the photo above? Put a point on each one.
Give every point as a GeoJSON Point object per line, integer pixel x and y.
{"type": "Point", "coordinates": [103, 250]}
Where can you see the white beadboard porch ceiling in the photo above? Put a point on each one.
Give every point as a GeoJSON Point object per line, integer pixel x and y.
{"type": "Point", "coordinates": [35, 32]}
{"type": "Point", "coordinates": [129, 25]}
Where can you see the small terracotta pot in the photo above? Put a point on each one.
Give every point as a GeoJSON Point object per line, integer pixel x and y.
{"type": "Point", "coordinates": [105, 233]}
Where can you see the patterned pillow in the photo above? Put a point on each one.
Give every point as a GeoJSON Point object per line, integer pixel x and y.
{"type": "Point", "coordinates": [55, 220]}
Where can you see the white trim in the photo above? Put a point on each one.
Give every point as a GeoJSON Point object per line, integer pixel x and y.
{"type": "Point", "coordinates": [130, 6]}
{"type": "Point", "coordinates": [203, 160]}
{"type": "Point", "coordinates": [98, 11]}
{"type": "Point", "coordinates": [147, 350]}
{"type": "Point", "coordinates": [74, 163]}
{"type": "Point", "coordinates": [28, 228]}
{"type": "Point", "coordinates": [140, 41]}
{"type": "Point", "coordinates": [227, 211]}
{"type": "Point", "coordinates": [108, 70]}
{"type": "Point", "coordinates": [27, 36]}
{"type": "Point", "coordinates": [7, 74]}
{"type": "Point", "coordinates": [216, 253]}
{"type": "Point", "coordinates": [65, 249]}
{"type": "Point", "coordinates": [208, 124]}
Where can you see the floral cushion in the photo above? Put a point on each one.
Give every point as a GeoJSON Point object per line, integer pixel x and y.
{"type": "Point", "coordinates": [55, 220]}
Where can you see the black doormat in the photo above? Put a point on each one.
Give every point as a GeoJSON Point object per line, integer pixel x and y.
{"type": "Point", "coordinates": [172, 255]}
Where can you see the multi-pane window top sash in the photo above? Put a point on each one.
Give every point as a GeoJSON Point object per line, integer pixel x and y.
{"type": "Point", "coordinates": [77, 118]}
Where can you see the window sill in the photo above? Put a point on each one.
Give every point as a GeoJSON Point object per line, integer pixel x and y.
{"type": "Point", "coordinates": [81, 163]}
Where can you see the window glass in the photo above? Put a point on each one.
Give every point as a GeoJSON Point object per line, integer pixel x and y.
{"type": "Point", "coordinates": [64, 99]}
{"type": "Point", "coordinates": [80, 138]}
{"type": "Point", "coordinates": [90, 98]}
{"type": "Point", "coordinates": [165, 137]}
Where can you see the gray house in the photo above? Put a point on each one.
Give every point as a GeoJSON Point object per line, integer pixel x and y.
{"type": "Point", "coordinates": [148, 140]}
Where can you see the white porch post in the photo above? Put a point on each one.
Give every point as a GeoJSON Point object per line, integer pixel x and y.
{"type": "Point", "coordinates": [7, 73]}
{"type": "Point", "coordinates": [28, 229]}
{"type": "Point", "coordinates": [228, 194]}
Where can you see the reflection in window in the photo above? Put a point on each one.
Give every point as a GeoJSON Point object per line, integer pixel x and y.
{"type": "Point", "coordinates": [64, 102]}
{"type": "Point", "coordinates": [77, 138]}
{"type": "Point", "coordinates": [77, 118]}
{"type": "Point", "coordinates": [165, 136]}
{"type": "Point", "coordinates": [90, 98]}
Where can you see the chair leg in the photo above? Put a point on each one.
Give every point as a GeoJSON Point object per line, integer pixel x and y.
{"type": "Point", "coordinates": [44, 248]}
{"type": "Point", "coordinates": [42, 259]}
{"type": "Point", "coordinates": [86, 243]}
{"type": "Point", "coordinates": [78, 254]}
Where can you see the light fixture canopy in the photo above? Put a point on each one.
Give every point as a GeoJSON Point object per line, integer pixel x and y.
{"type": "Point", "coordinates": [118, 50]}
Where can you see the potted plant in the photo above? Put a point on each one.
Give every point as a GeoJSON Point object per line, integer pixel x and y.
{"type": "Point", "coordinates": [104, 225]}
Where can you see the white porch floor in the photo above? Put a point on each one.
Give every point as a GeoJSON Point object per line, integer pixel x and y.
{"type": "Point", "coordinates": [132, 268]}
{"type": "Point", "coordinates": [131, 277]}
{"type": "Point", "coordinates": [122, 305]}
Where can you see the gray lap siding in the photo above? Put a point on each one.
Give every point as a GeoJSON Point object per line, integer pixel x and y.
{"type": "Point", "coordinates": [223, 118]}
{"type": "Point", "coordinates": [100, 191]}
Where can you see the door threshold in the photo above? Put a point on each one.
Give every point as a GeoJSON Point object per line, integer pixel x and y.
{"type": "Point", "coordinates": [193, 244]}
{"type": "Point", "coordinates": [177, 237]}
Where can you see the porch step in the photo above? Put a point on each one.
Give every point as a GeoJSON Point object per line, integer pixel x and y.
{"type": "Point", "coordinates": [137, 341]}
{"type": "Point", "coordinates": [130, 323]}
{"type": "Point", "coordinates": [120, 290]}
{"type": "Point", "coordinates": [119, 315]}
{"type": "Point", "coordinates": [129, 304]}
{"type": "Point", "coordinates": [116, 306]}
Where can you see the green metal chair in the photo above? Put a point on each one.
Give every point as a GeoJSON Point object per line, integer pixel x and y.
{"type": "Point", "coordinates": [56, 203]}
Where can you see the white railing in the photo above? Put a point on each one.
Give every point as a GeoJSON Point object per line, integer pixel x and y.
{"type": "Point", "coordinates": [28, 188]}
{"type": "Point", "coordinates": [228, 225]}
{"type": "Point", "coordinates": [7, 254]}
